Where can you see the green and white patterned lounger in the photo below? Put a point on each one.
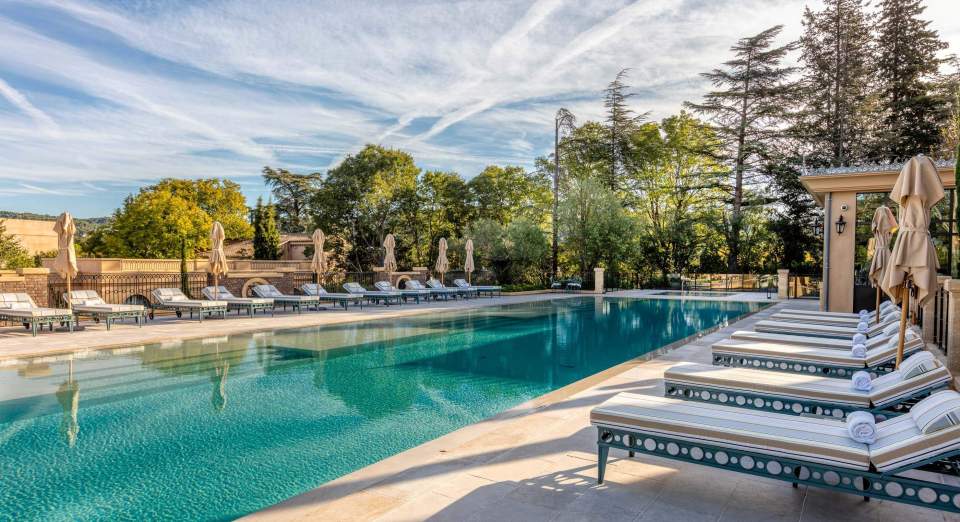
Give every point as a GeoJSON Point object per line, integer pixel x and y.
{"type": "Point", "coordinates": [482, 289]}
{"type": "Point", "coordinates": [465, 293]}
{"type": "Point", "coordinates": [800, 450]}
{"type": "Point", "coordinates": [297, 302]}
{"type": "Point", "coordinates": [890, 332]}
{"type": "Point", "coordinates": [376, 296]}
{"type": "Point", "coordinates": [849, 322]}
{"type": "Point", "coordinates": [408, 293]}
{"type": "Point", "coordinates": [437, 293]}
{"type": "Point", "coordinates": [250, 305]}
{"type": "Point", "coordinates": [321, 293]}
{"type": "Point", "coordinates": [89, 302]}
{"type": "Point", "coordinates": [174, 299]}
{"type": "Point", "coordinates": [820, 330]}
{"type": "Point", "coordinates": [799, 394]}
{"type": "Point", "coordinates": [19, 307]}
{"type": "Point", "coordinates": [803, 359]}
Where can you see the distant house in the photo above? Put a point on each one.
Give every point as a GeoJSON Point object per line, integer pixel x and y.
{"type": "Point", "coordinates": [35, 235]}
{"type": "Point", "coordinates": [292, 247]}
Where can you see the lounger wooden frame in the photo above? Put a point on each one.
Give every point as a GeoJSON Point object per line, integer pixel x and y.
{"type": "Point", "coordinates": [869, 484]}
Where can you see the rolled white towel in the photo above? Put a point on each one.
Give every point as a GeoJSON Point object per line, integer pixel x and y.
{"type": "Point", "coordinates": [862, 427]}
{"type": "Point", "coordinates": [858, 339]}
{"type": "Point", "coordinates": [863, 327]}
{"type": "Point", "coordinates": [864, 313]}
{"type": "Point", "coordinates": [859, 350]}
{"type": "Point", "coordinates": [861, 381]}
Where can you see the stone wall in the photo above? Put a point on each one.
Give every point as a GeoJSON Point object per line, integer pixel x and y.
{"type": "Point", "coordinates": [32, 281]}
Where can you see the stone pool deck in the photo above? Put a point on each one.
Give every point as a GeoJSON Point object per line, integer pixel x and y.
{"type": "Point", "coordinates": [538, 462]}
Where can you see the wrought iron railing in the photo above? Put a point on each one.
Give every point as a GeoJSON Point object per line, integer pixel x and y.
{"type": "Point", "coordinates": [134, 288]}
{"type": "Point", "coordinates": [801, 286]}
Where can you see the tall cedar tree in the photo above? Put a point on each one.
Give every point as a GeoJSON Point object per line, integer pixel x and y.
{"type": "Point", "coordinates": [292, 193]}
{"type": "Point", "coordinates": [266, 235]}
{"type": "Point", "coordinates": [620, 123]}
{"type": "Point", "coordinates": [907, 65]}
{"type": "Point", "coordinates": [747, 112]}
{"type": "Point", "coordinates": [838, 112]}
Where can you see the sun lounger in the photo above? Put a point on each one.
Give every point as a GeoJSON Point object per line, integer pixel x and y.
{"type": "Point", "coordinates": [891, 331]}
{"type": "Point", "coordinates": [321, 293]}
{"type": "Point", "coordinates": [407, 293]}
{"type": "Point", "coordinates": [802, 359]}
{"type": "Point", "coordinates": [890, 394]}
{"type": "Point", "coordinates": [849, 322]}
{"type": "Point", "coordinates": [296, 302]}
{"type": "Point", "coordinates": [376, 297]}
{"type": "Point", "coordinates": [465, 293]}
{"type": "Point", "coordinates": [250, 305]}
{"type": "Point", "coordinates": [174, 299]}
{"type": "Point", "coordinates": [482, 289]}
{"type": "Point", "coordinates": [89, 302]}
{"type": "Point", "coordinates": [820, 330]}
{"type": "Point", "coordinates": [885, 307]}
{"type": "Point", "coordinates": [801, 450]}
{"type": "Point", "coordinates": [19, 307]}
{"type": "Point", "coordinates": [440, 292]}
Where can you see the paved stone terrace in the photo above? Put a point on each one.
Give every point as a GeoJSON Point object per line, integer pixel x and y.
{"type": "Point", "coordinates": [538, 462]}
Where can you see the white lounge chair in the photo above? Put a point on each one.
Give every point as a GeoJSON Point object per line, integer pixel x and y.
{"type": "Point", "coordinates": [820, 330]}
{"type": "Point", "coordinates": [802, 359]}
{"type": "Point", "coordinates": [800, 450]}
{"type": "Point", "coordinates": [297, 302]}
{"type": "Point", "coordinates": [19, 307]}
{"type": "Point", "coordinates": [890, 394]}
{"type": "Point", "coordinates": [885, 306]}
{"type": "Point", "coordinates": [437, 293]}
{"type": "Point", "coordinates": [832, 320]}
{"type": "Point", "coordinates": [407, 293]}
{"type": "Point", "coordinates": [373, 296]}
{"type": "Point", "coordinates": [482, 289]}
{"type": "Point", "coordinates": [89, 302]}
{"type": "Point", "coordinates": [174, 299]}
{"type": "Point", "coordinates": [250, 305]}
{"type": "Point", "coordinates": [321, 293]}
{"type": "Point", "coordinates": [465, 293]}
{"type": "Point", "coordinates": [890, 332]}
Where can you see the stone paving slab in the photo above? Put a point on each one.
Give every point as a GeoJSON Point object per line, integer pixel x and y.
{"type": "Point", "coordinates": [538, 462]}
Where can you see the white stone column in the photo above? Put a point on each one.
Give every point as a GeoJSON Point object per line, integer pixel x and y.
{"type": "Point", "coordinates": [783, 283]}
{"type": "Point", "coordinates": [952, 286]}
{"type": "Point", "coordinates": [598, 280]}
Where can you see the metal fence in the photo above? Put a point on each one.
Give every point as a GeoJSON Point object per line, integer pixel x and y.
{"type": "Point", "coordinates": [133, 288]}
{"type": "Point", "coordinates": [937, 323]}
{"type": "Point", "coordinates": [725, 282]}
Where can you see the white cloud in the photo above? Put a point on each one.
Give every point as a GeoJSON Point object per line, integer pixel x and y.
{"type": "Point", "coordinates": [220, 88]}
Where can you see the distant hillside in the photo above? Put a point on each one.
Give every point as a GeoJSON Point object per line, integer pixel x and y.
{"type": "Point", "coordinates": [83, 225]}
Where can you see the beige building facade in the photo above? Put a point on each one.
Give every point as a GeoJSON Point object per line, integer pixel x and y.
{"type": "Point", "coordinates": [35, 235]}
{"type": "Point", "coordinates": [837, 190]}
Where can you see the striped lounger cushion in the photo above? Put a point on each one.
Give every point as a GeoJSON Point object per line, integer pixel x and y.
{"type": "Point", "coordinates": [932, 428]}
{"type": "Point", "coordinates": [789, 352]}
{"type": "Point", "coordinates": [803, 438]}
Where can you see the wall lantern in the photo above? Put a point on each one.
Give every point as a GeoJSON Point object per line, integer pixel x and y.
{"type": "Point", "coordinates": [817, 228]}
{"type": "Point", "coordinates": [841, 224]}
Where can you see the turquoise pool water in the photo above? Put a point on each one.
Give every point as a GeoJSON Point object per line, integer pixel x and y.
{"type": "Point", "coordinates": [214, 429]}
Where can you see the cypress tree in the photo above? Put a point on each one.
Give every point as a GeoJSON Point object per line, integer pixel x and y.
{"type": "Point", "coordinates": [266, 235]}
{"type": "Point", "coordinates": [838, 117]}
{"type": "Point", "coordinates": [907, 64]}
{"type": "Point", "coordinates": [746, 111]}
{"type": "Point", "coordinates": [620, 123]}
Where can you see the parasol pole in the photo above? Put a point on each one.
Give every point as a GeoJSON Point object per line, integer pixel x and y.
{"type": "Point", "coordinates": [904, 311]}
{"type": "Point", "coordinates": [878, 304]}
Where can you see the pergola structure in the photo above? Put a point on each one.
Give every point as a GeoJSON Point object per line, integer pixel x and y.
{"type": "Point", "coordinates": [836, 190]}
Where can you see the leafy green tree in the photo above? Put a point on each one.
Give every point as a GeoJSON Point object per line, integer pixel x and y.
{"type": "Point", "coordinates": [12, 253]}
{"type": "Point", "coordinates": [505, 193]}
{"type": "Point", "coordinates": [291, 193]}
{"type": "Point", "coordinates": [266, 235]}
{"type": "Point", "coordinates": [747, 113]}
{"type": "Point", "coordinates": [907, 67]}
{"type": "Point", "coordinates": [528, 251]}
{"type": "Point", "coordinates": [620, 123]}
{"type": "Point", "coordinates": [595, 227]}
{"type": "Point", "coordinates": [152, 223]}
{"type": "Point", "coordinates": [443, 211]}
{"type": "Point", "coordinates": [369, 195]}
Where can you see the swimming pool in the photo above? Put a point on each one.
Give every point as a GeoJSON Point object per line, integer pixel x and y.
{"type": "Point", "coordinates": [220, 427]}
{"type": "Point", "coordinates": [696, 293]}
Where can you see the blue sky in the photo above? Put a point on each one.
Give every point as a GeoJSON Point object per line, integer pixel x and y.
{"type": "Point", "coordinates": [98, 98]}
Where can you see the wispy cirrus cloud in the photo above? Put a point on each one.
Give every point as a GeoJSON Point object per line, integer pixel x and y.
{"type": "Point", "coordinates": [111, 95]}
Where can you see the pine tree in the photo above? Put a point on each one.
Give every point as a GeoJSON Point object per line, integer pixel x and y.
{"type": "Point", "coordinates": [266, 236]}
{"type": "Point", "coordinates": [837, 120]}
{"type": "Point", "coordinates": [747, 112]}
{"type": "Point", "coordinates": [907, 65]}
{"type": "Point", "coordinates": [620, 123]}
